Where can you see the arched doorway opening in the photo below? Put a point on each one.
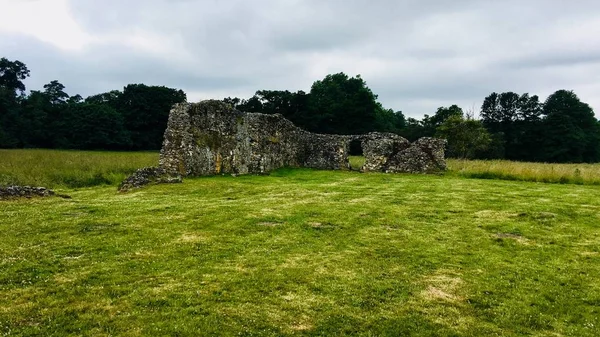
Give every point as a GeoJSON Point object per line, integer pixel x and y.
{"type": "Point", "coordinates": [356, 156]}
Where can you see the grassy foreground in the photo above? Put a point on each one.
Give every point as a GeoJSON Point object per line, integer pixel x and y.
{"type": "Point", "coordinates": [303, 252]}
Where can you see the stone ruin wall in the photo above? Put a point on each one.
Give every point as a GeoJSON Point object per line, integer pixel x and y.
{"type": "Point", "coordinates": [211, 137]}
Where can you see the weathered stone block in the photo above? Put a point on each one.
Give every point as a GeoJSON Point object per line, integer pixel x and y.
{"type": "Point", "coordinates": [148, 175]}
{"type": "Point", "coordinates": [12, 192]}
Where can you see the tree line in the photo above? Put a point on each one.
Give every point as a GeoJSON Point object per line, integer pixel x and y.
{"type": "Point", "coordinates": [510, 126]}
{"type": "Point", "coordinates": [562, 129]}
{"type": "Point", "coordinates": [132, 119]}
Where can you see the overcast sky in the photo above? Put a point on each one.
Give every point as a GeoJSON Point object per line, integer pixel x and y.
{"type": "Point", "coordinates": [416, 55]}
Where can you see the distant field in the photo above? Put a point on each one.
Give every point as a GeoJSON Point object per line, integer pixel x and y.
{"type": "Point", "coordinates": [71, 169]}
{"type": "Point", "coordinates": [582, 174]}
{"type": "Point", "coordinates": [56, 168]}
{"type": "Point", "coordinates": [304, 252]}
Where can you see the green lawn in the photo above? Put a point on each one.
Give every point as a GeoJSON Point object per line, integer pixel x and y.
{"type": "Point", "coordinates": [305, 252]}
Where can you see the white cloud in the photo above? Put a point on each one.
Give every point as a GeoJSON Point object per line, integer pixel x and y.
{"type": "Point", "coordinates": [46, 20]}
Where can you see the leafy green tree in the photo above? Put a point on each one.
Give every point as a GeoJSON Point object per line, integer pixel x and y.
{"type": "Point", "coordinates": [570, 129]}
{"type": "Point", "coordinates": [35, 125]}
{"type": "Point", "coordinates": [388, 120]}
{"type": "Point", "coordinates": [514, 122]}
{"type": "Point", "coordinates": [75, 99]}
{"type": "Point", "coordinates": [338, 104]}
{"type": "Point", "coordinates": [293, 106]}
{"type": "Point", "coordinates": [55, 93]}
{"type": "Point", "coordinates": [526, 130]}
{"type": "Point", "coordinates": [12, 74]}
{"type": "Point", "coordinates": [111, 98]}
{"type": "Point", "coordinates": [530, 109]}
{"type": "Point", "coordinates": [430, 124]}
{"type": "Point", "coordinates": [496, 149]}
{"type": "Point", "coordinates": [490, 111]}
{"type": "Point", "coordinates": [466, 137]}
{"type": "Point", "coordinates": [9, 119]}
{"type": "Point", "coordinates": [342, 104]}
{"type": "Point", "coordinates": [276, 101]}
{"type": "Point", "coordinates": [234, 102]}
{"type": "Point", "coordinates": [89, 126]}
{"type": "Point", "coordinates": [48, 105]}
{"type": "Point", "coordinates": [413, 129]}
{"type": "Point", "coordinates": [509, 104]}
{"type": "Point", "coordinates": [253, 104]}
{"type": "Point", "coordinates": [145, 110]}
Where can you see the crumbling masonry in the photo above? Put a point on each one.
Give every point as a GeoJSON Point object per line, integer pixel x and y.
{"type": "Point", "coordinates": [211, 137]}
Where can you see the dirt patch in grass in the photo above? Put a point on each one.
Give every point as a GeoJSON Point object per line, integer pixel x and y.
{"type": "Point", "coordinates": [434, 293]}
{"type": "Point", "coordinates": [61, 279]}
{"type": "Point", "coordinates": [516, 237]}
{"type": "Point", "coordinates": [321, 225]}
{"type": "Point", "coordinates": [443, 287]}
{"type": "Point", "coordinates": [301, 327]}
{"type": "Point", "coordinates": [495, 215]}
{"type": "Point", "coordinates": [270, 224]}
{"type": "Point", "coordinates": [191, 238]}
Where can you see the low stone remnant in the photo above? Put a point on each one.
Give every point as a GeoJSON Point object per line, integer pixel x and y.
{"type": "Point", "coordinates": [391, 153]}
{"type": "Point", "coordinates": [13, 192]}
{"type": "Point", "coordinates": [148, 175]}
{"type": "Point", "coordinates": [211, 137]}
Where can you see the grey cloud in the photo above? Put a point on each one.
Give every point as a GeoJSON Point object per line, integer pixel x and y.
{"type": "Point", "coordinates": [558, 59]}
{"type": "Point", "coordinates": [102, 69]}
{"type": "Point", "coordinates": [415, 54]}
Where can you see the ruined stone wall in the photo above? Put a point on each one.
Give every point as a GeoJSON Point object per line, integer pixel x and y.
{"type": "Point", "coordinates": [390, 153]}
{"type": "Point", "coordinates": [211, 137]}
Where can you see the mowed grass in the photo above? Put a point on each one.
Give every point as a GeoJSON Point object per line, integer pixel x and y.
{"type": "Point", "coordinates": [305, 252]}
{"type": "Point", "coordinates": [56, 168]}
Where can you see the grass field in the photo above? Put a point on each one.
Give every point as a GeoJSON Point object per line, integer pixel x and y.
{"type": "Point", "coordinates": [581, 174]}
{"type": "Point", "coordinates": [304, 252]}
{"type": "Point", "coordinates": [74, 169]}
{"type": "Point", "coordinates": [56, 168]}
